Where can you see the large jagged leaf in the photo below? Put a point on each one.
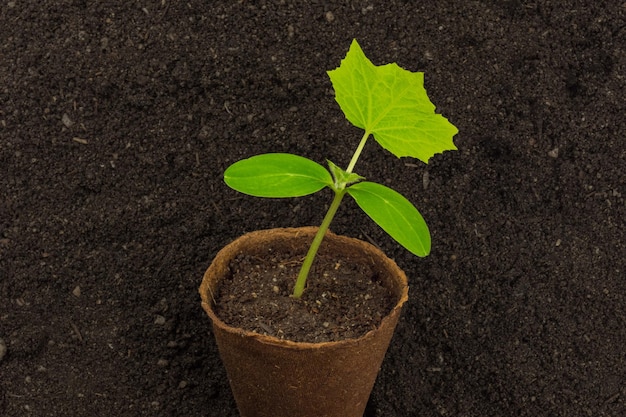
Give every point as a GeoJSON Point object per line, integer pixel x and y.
{"type": "Point", "coordinates": [277, 175]}
{"type": "Point", "coordinates": [391, 103]}
{"type": "Point", "coordinates": [394, 214]}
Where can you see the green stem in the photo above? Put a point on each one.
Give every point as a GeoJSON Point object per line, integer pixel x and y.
{"type": "Point", "coordinates": [358, 151]}
{"type": "Point", "coordinates": [315, 245]}
{"type": "Point", "coordinates": [321, 232]}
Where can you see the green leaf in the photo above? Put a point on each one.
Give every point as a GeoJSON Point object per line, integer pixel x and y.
{"type": "Point", "coordinates": [394, 214]}
{"type": "Point", "coordinates": [391, 103]}
{"type": "Point", "coordinates": [277, 175]}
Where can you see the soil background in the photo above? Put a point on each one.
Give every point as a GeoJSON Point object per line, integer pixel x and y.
{"type": "Point", "coordinates": [117, 120]}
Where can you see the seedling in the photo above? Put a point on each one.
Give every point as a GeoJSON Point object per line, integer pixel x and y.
{"type": "Point", "coordinates": [388, 103]}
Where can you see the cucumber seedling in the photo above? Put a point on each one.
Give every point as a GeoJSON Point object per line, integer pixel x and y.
{"type": "Point", "coordinates": [390, 104]}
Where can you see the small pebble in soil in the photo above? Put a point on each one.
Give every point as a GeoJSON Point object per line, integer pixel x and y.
{"type": "Point", "coordinates": [160, 320]}
{"type": "Point", "coordinates": [3, 349]}
{"type": "Point", "coordinates": [67, 122]}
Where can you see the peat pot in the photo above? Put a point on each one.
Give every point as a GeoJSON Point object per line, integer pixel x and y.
{"type": "Point", "coordinates": [271, 377]}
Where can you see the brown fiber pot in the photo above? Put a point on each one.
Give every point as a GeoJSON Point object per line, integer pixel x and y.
{"type": "Point", "coordinates": [271, 377]}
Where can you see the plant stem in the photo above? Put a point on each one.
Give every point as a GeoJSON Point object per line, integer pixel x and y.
{"type": "Point", "coordinates": [315, 245]}
{"type": "Point", "coordinates": [321, 232]}
{"type": "Point", "coordinates": [358, 151]}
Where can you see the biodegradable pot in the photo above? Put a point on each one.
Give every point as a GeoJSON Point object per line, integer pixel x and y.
{"type": "Point", "coordinates": [271, 377]}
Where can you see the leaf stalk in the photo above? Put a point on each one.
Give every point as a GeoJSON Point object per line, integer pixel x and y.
{"type": "Point", "coordinates": [358, 151]}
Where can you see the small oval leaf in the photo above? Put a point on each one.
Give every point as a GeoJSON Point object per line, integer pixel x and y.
{"type": "Point", "coordinates": [394, 214]}
{"type": "Point", "coordinates": [277, 175]}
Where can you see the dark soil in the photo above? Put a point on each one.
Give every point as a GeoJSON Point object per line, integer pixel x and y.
{"type": "Point", "coordinates": [343, 300]}
{"type": "Point", "coordinates": [118, 119]}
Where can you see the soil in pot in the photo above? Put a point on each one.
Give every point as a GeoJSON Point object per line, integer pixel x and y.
{"type": "Point", "coordinates": [343, 299]}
